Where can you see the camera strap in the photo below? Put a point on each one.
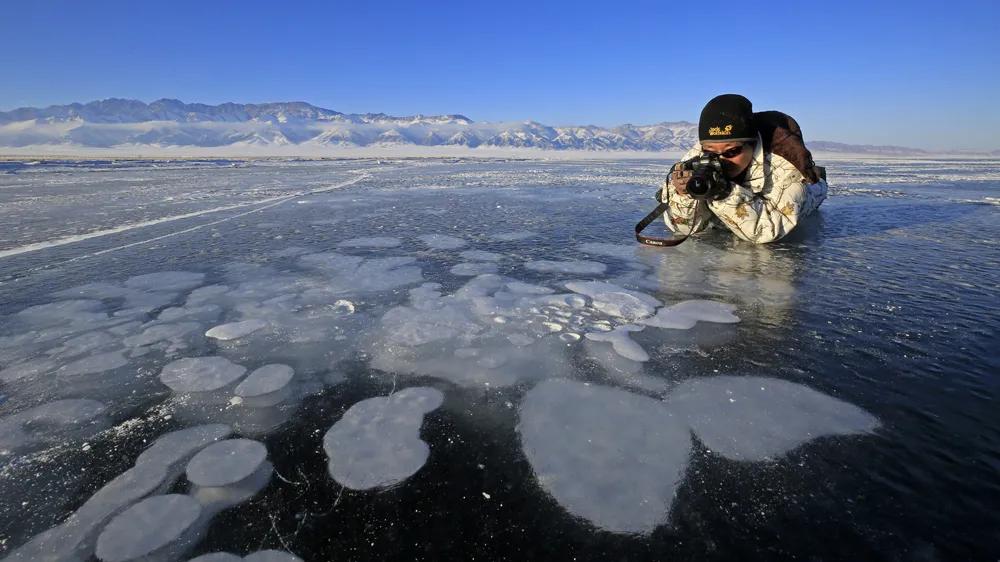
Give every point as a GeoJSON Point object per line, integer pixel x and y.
{"type": "Point", "coordinates": [655, 240]}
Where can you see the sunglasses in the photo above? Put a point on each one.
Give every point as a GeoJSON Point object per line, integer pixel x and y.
{"type": "Point", "coordinates": [731, 153]}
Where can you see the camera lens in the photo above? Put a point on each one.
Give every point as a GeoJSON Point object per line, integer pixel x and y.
{"type": "Point", "coordinates": [698, 186]}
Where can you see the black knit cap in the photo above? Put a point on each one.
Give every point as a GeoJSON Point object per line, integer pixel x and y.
{"type": "Point", "coordinates": [727, 118]}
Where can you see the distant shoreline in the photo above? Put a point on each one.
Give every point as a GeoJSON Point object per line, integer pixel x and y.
{"type": "Point", "coordinates": [349, 153]}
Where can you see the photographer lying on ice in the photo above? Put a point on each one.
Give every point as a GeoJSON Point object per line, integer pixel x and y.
{"type": "Point", "coordinates": [751, 171]}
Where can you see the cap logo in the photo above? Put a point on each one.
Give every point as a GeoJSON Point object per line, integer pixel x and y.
{"type": "Point", "coordinates": [720, 131]}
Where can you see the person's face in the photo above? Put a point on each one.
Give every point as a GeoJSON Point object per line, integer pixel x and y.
{"type": "Point", "coordinates": [733, 166]}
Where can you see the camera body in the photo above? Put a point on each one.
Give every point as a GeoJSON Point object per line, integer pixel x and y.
{"type": "Point", "coordinates": [708, 181]}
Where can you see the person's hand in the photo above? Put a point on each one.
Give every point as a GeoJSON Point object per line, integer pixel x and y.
{"type": "Point", "coordinates": [679, 179]}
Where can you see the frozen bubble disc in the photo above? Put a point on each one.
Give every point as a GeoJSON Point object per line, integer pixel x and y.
{"type": "Point", "coordinates": [226, 462]}
{"type": "Point", "coordinates": [200, 374]}
{"type": "Point", "coordinates": [265, 380]}
{"type": "Point", "coordinates": [147, 527]}
{"type": "Point", "coordinates": [236, 330]}
{"type": "Point", "coordinates": [166, 281]}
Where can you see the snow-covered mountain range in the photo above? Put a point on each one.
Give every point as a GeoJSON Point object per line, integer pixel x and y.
{"type": "Point", "coordinates": [121, 123]}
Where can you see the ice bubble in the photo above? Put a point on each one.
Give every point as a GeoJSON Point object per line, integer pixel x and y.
{"type": "Point", "coordinates": [139, 302]}
{"type": "Point", "coordinates": [757, 418]}
{"type": "Point", "coordinates": [608, 456]}
{"type": "Point", "coordinates": [170, 281]}
{"type": "Point", "coordinates": [94, 364]}
{"type": "Point", "coordinates": [353, 274]}
{"type": "Point", "coordinates": [371, 242]}
{"type": "Point", "coordinates": [226, 462]}
{"type": "Point", "coordinates": [148, 526]}
{"type": "Point", "coordinates": [343, 306]}
{"type": "Point", "coordinates": [155, 471]}
{"type": "Point", "coordinates": [474, 268]}
{"type": "Point", "coordinates": [621, 342]}
{"type": "Point", "coordinates": [377, 441]}
{"type": "Point", "coordinates": [614, 300]}
{"type": "Point", "coordinates": [520, 340]}
{"type": "Point", "coordinates": [51, 423]}
{"type": "Point", "coordinates": [203, 294]}
{"type": "Point", "coordinates": [83, 343]}
{"type": "Point", "coordinates": [416, 326]}
{"type": "Point", "coordinates": [442, 241]}
{"type": "Point", "coordinates": [236, 330]}
{"type": "Point", "coordinates": [513, 236]}
{"type": "Point", "coordinates": [685, 314]}
{"type": "Point", "coordinates": [577, 267]}
{"type": "Point", "coordinates": [204, 313]}
{"type": "Point", "coordinates": [200, 374]}
{"type": "Point", "coordinates": [63, 311]}
{"type": "Point", "coordinates": [569, 337]}
{"type": "Point", "coordinates": [161, 332]}
{"type": "Point", "coordinates": [217, 557]}
{"type": "Point", "coordinates": [265, 386]}
{"type": "Point", "coordinates": [479, 255]}
{"type": "Point", "coordinates": [552, 326]}
{"type": "Point", "coordinates": [528, 289]}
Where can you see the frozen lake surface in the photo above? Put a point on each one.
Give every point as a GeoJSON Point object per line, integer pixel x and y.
{"type": "Point", "coordinates": [461, 359]}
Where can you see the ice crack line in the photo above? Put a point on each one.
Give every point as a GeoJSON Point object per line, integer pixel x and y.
{"type": "Point", "coordinates": [265, 204]}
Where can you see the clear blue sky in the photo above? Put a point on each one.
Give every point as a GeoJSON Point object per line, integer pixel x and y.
{"type": "Point", "coordinates": [917, 73]}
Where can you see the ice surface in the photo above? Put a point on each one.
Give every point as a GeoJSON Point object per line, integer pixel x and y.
{"type": "Point", "coordinates": [206, 313]}
{"type": "Point", "coordinates": [200, 374]}
{"type": "Point", "coordinates": [608, 456]}
{"type": "Point", "coordinates": [614, 300]}
{"type": "Point", "coordinates": [684, 315]}
{"type": "Point", "coordinates": [162, 332]}
{"type": "Point", "coordinates": [480, 255]}
{"type": "Point", "coordinates": [352, 274]}
{"type": "Point", "coordinates": [757, 418]}
{"type": "Point", "coordinates": [266, 386]}
{"type": "Point", "coordinates": [621, 342]}
{"type": "Point", "coordinates": [442, 241]}
{"type": "Point", "coordinates": [377, 441]}
{"type": "Point", "coordinates": [528, 289]}
{"type": "Point", "coordinates": [473, 268]}
{"type": "Point", "coordinates": [622, 251]}
{"type": "Point", "coordinates": [28, 369]}
{"type": "Point", "coordinates": [94, 364]}
{"type": "Point", "coordinates": [371, 242]}
{"type": "Point", "coordinates": [513, 236]}
{"type": "Point", "coordinates": [155, 470]}
{"type": "Point", "coordinates": [147, 527]}
{"type": "Point", "coordinates": [577, 267]}
{"type": "Point", "coordinates": [236, 330]}
{"type": "Point", "coordinates": [51, 423]}
{"type": "Point", "coordinates": [169, 281]}
{"type": "Point", "coordinates": [422, 338]}
{"type": "Point", "coordinates": [259, 556]}
{"type": "Point", "coordinates": [226, 462]}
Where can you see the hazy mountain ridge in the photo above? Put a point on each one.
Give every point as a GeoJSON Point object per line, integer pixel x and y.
{"type": "Point", "coordinates": [167, 122]}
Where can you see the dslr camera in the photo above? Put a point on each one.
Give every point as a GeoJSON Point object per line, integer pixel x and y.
{"type": "Point", "coordinates": [708, 181]}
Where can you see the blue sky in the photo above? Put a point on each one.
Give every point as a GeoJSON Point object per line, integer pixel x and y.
{"type": "Point", "coordinates": [922, 74]}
